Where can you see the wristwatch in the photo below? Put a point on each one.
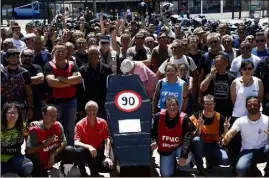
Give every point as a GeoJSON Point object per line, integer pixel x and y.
{"type": "Point", "coordinates": [32, 107]}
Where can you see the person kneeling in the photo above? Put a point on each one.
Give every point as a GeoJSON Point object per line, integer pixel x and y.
{"type": "Point", "coordinates": [90, 134]}
{"type": "Point", "coordinates": [172, 132]}
{"type": "Point", "coordinates": [210, 125]}
{"type": "Point", "coordinates": [46, 143]}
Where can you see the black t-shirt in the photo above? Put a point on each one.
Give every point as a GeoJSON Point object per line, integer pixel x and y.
{"type": "Point", "coordinates": [82, 58]}
{"type": "Point", "coordinates": [13, 83]}
{"type": "Point", "coordinates": [37, 90]}
{"type": "Point", "coordinates": [220, 89]}
{"type": "Point", "coordinates": [197, 59]}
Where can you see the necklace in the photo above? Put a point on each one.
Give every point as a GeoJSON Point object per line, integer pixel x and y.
{"type": "Point", "coordinates": [246, 84]}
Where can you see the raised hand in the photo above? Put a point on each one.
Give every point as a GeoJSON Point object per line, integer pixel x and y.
{"type": "Point", "coordinates": [227, 124]}
{"type": "Point", "coordinates": [200, 120]}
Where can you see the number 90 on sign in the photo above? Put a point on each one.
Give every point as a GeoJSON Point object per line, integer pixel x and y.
{"type": "Point", "coordinates": [128, 101]}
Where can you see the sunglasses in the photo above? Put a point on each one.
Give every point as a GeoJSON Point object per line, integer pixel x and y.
{"type": "Point", "coordinates": [27, 56]}
{"type": "Point", "coordinates": [174, 48]}
{"type": "Point", "coordinates": [139, 38]}
{"type": "Point", "coordinates": [212, 42]}
{"type": "Point", "coordinates": [13, 56]}
{"type": "Point", "coordinates": [260, 41]}
{"type": "Point", "coordinates": [247, 69]}
{"type": "Point", "coordinates": [246, 48]}
{"type": "Point", "coordinates": [227, 42]}
{"type": "Point", "coordinates": [93, 54]}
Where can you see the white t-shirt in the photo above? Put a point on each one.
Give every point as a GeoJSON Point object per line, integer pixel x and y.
{"type": "Point", "coordinates": [252, 133]}
{"type": "Point", "coordinates": [18, 44]}
{"type": "Point", "coordinates": [192, 66]}
{"type": "Point", "coordinates": [235, 66]}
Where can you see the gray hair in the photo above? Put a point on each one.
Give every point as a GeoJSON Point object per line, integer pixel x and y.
{"type": "Point", "coordinates": [213, 35]}
{"type": "Point", "coordinates": [91, 103]}
{"type": "Point", "coordinates": [227, 36]}
{"type": "Point", "coordinates": [67, 44]}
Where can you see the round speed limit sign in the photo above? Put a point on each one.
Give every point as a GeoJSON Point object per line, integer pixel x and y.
{"type": "Point", "coordinates": [128, 101]}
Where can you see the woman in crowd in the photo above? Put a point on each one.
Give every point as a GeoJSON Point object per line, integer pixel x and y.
{"type": "Point", "coordinates": [241, 88]}
{"type": "Point", "coordinates": [170, 85]}
{"type": "Point", "coordinates": [182, 73]}
{"type": "Point", "coordinates": [13, 132]}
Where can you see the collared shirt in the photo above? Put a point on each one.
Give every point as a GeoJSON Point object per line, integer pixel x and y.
{"type": "Point", "coordinates": [93, 136]}
{"type": "Point", "coordinates": [94, 81]}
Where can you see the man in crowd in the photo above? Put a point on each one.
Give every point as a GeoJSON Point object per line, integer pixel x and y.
{"type": "Point", "coordinates": [46, 143]}
{"type": "Point", "coordinates": [62, 77]}
{"type": "Point", "coordinates": [41, 57]}
{"type": "Point", "coordinates": [260, 50]}
{"type": "Point", "coordinates": [139, 52]}
{"type": "Point", "coordinates": [254, 129]}
{"type": "Point", "coordinates": [218, 83]}
{"type": "Point", "coordinates": [16, 85]}
{"type": "Point", "coordinates": [237, 40]}
{"type": "Point", "coordinates": [210, 126]}
{"type": "Point", "coordinates": [94, 75]}
{"type": "Point", "coordinates": [160, 53]}
{"type": "Point", "coordinates": [226, 41]}
{"type": "Point", "coordinates": [262, 72]}
{"type": "Point", "coordinates": [37, 78]}
{"type": "Point", "coordinates": [245, 49]}
{"type": "Point", "coordinates": [213, 41]}
{"type": "Point", "coordinates": [92, 142]}
{"type": "Point", "coordinates": [170, 124]}
{"type": "Point", "coordinates": [16, 32]}
{"type": "Point", "coordinates": [108, 55]}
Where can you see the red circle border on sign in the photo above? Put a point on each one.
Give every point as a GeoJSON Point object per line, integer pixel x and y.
{"type": "Point", "coordinates": [128, 91]}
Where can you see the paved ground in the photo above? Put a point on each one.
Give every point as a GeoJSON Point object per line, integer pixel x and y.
{"type": "Point", "coordinates": [222, 171]}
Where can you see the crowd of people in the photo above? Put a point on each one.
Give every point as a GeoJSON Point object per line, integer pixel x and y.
{"type": "Point", "coordinates": [209, 93]}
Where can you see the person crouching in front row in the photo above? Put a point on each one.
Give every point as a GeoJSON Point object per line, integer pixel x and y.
{"type": "Point", "coordinates": [172, 132]}
{"type": "Point", "coordinates": [210, 126]}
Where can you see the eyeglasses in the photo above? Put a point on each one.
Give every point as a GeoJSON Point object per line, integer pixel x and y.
{"type": "Point", "coordinates": [150, 41]}
{"type": "Point", "coordinates": [212, 42]}
{"type": "Point", "coordinates": [260, 41]}
{"type": "Point", "coordinates": [12, 113]}
{"type": "Point", "coordinates": [247, 69]}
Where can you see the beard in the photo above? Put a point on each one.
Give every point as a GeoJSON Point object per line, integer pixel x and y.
{"type": "Point", "coordinates": [253, 111]}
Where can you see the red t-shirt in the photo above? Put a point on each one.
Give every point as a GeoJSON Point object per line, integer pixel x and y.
{"type": "Point", "coordinates": [93, 136]}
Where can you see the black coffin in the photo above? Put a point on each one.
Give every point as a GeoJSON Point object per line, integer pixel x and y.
{"type": "Point", "coordinates": [129, 118]}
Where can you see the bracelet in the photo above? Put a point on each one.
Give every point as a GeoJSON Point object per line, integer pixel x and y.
{"type": "Point", "coordinates": [32, 107]}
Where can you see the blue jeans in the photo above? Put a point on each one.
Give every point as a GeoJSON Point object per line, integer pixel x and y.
{"type": "Point", "coordinates": [18, 164]}
{"type": "Point", "coordinates": [66, 115]}
{"type": "Point", "coordinates": [249, 157]}
{"type": "Point", "coordinates": [168, 163]}
{"type": "Point", "coordinates": [214, 154]}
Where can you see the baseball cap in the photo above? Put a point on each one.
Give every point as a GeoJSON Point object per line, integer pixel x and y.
{"type": "Point", "coordinates": [105, 39]}
{"type": "Point", "coordinates": [198, 30]}
{"type": "Point", "coordinates": [28, 36]}
{"type": "Point", "coordinates": [126, 66]}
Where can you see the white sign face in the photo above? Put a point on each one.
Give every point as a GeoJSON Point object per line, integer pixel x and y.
{"type": "Point", "coordinates": [129, 125]}
{"type": "Point", "coordinates": [128, 101]}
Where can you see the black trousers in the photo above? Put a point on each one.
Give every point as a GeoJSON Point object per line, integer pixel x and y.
{"type": "Point", "coordinates": [96, 164]}
{"type": "Point", "coordinates": [67, 156]}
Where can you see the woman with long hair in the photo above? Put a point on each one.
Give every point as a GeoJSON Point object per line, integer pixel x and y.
{"type": "Point", "coordinates": [13, 133]}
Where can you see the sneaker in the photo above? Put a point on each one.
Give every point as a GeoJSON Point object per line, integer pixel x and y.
{"type": "Point", "coordinates": [200, 173]}
{"type": "Point", "coordinates": [62, 169]}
